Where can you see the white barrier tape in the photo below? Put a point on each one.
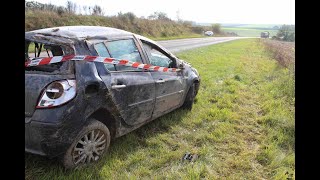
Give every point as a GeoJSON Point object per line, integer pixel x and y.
{"type": "Point", "coordinates": [56, 59]}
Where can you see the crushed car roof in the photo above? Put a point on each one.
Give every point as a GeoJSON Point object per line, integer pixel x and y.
{"type": "Point", "coordinates": [80, 32]}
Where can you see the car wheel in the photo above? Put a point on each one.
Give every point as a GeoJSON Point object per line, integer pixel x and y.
{"type": "Point", "coordinates": [188, 102]}
{"type": "Point", "coordinates": [89, 146]}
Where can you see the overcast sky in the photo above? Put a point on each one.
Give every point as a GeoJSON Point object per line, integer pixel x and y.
{"type": "Point", "coordinates": [201, 11]}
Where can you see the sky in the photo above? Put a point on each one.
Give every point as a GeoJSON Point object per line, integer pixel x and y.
{"type": "Point", "coordinates": [200, 11]}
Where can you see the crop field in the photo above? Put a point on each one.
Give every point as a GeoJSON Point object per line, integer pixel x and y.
{"type": "Point", "coordinates": [249, 32]}
{"type": "Point", "coordinates": [242, 126]}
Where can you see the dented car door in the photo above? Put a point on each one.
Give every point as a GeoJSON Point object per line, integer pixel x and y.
{"type": "Point", "coordinates": [170, 86]}
{"type": "Point", "coordinates": [132, 89]}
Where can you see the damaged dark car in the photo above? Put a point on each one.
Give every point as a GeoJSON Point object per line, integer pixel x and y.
{"type": "Point", "coordinates": [73, 109]}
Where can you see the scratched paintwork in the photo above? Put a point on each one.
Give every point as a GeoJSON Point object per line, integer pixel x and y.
{"type": "Point", "coordinates": [50, 131]}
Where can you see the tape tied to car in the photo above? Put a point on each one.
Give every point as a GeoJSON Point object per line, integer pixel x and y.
{"type": "Point", "coordinates": [106, 60]}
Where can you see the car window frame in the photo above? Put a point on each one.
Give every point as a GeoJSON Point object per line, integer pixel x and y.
{"type": "Point", "coordinates": [158, 48]}
{"type": "Point", "coordinates": [143, 58]}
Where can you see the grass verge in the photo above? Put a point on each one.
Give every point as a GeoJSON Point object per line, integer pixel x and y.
{"type": "Point", "coordinates": [241, 126]}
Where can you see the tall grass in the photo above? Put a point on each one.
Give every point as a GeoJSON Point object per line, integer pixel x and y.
{"type": "Point", "coordinates": [284, 53]}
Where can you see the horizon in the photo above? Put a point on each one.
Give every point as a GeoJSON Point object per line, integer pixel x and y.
{"type": "Point", "coordinates": [229, 12]}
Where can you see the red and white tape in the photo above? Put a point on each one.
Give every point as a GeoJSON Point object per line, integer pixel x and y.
{"type": "Point", "coordinates": [56, 59]}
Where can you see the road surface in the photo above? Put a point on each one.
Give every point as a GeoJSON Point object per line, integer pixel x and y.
{"type": "Point", "coordinates": [181, 44]}
{"type": "Point", "coordinates": [184, 44]}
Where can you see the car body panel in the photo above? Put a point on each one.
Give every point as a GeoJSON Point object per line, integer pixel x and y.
{"type": "Point", "coordinates": [136, 100]}
{"type": "Point", "coordinates": [169, 91]}
{"type": "Point", "coordinates": [50, 131]}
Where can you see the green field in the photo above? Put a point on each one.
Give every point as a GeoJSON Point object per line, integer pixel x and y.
{"type": "Point", "coordinates": [241, 126]}
{"type": "Point", "coordinates": [254, 26]}
{"type": "Point", "coordinates": [249, 32]}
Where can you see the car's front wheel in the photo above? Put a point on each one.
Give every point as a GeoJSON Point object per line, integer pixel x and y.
{"type": "Point", "coordinates": [89, 146]}
{"type": "Point", "coordinates": [188, 102]}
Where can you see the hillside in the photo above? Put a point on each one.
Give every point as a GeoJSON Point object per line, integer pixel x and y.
{"type": "Point", "coordinates": [156, 28]}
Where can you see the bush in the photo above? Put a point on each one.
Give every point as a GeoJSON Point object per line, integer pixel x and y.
{"type": "Point", "coordinates": [216, 28]}
{"type": "Point", "coordinates": [38, 19]}
{"type": "Point", "coordinates": [286, 33]}
{"type": "Point", "coordinates": [284, 53]}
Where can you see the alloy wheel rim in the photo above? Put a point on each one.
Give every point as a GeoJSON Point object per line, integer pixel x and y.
{"type": "Point", "coordinates": [89, 148]}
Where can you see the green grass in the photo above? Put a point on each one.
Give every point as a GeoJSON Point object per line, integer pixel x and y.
{"type": "Point", "coordinates": [241, 125]}
{"type": "Point", "coordinates": [249, 32]}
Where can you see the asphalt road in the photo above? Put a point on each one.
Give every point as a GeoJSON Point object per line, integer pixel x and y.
{"type": "Point", "coordinates": [185, 44]}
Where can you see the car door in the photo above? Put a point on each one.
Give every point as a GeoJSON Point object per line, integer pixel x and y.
{"type": "Point", "coordinates": [170, 86]}
{"type": "Point", "coordinates": [132, 90]}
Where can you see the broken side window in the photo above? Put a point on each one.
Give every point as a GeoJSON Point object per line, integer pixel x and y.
{"type": "Point", "coordinates": [35, 50]}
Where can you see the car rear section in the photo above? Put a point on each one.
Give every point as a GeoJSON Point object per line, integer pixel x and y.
{"type": "Point", "coordinates": [49, 92]}
{"type": "Point", "coordinates": [46, 104]}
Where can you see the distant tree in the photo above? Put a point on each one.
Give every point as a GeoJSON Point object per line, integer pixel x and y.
{"type": "Point", "coordinates": [130, 15]}
{"type": "Point", "coordinates": [198, 29]}
{"type": "Point", "coordinates": [159, 15]}
{"type": "Point", "coordinates": [61, 10]}
{"type": "Point", "coordinates": [97, 10]}
{"type": "Point", "coordinates": [216, 28]}
{"type": "Point", "coordinates": [163, 16]}
{"type": "Point", "coordinates": [71, 7]}
{"type": "Point", "coordinates": [127, 18]}
{"type": "Point", "coordinates": [286, 33]}
{"type": "Point", "coordinates": [32, 5]}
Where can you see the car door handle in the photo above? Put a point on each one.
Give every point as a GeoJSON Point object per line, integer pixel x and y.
{"type": "Point", "coordinates": [160, 81]}
{"type": "Point", "coordinates": [118, 86]}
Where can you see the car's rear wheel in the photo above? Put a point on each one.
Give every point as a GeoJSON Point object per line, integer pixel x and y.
{"type": "Point", "coordinates": [89, 146]}
{"type": "Point", "coordinates": [188, 102]}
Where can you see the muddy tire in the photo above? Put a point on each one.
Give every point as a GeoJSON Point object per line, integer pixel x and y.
{"type": "Point", "coordinates": [89, 145]}
{"type": "Point", "coordinates": [188, 102]}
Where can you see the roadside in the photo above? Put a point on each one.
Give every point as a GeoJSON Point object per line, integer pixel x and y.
{"type": "Point", "coordinates": [179, 45]}
{"type": "Point", "coordinates": [185, 36]}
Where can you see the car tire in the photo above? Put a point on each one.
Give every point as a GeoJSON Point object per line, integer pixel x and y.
{"type": "Point", "coordinates": [188, 102]}
{"type": "Point", "coordinates": [89, 145]}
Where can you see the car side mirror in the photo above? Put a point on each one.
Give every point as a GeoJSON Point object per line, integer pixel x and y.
{"type": "Point", "coordinates": [181, 66]}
